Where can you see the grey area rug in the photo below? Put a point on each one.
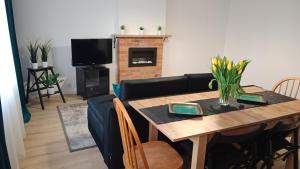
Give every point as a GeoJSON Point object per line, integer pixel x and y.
{"type": "Point", "coordinates": [74, 121]}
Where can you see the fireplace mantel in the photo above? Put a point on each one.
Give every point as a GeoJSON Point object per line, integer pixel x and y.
{"type": "Point", "coordinates": [127, 42]}
{"type": "Point", "coordinates": [141, 36]}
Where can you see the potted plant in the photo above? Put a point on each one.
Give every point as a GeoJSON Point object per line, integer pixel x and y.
{"type": "Point", "coordinates": [228, 76]}
{"type": "Point", "coordinates": [159, 29]}
{"type": "Point", "coordinates": [122, 29]}
{"type": "Point", "coordinates": [45, 49]}
{"type": "Point", "coordinates": [141, 30]}
{"type": "Point", "coordinates": [50, 81]}
{"type": "Point", "coordinates": [33, 49]}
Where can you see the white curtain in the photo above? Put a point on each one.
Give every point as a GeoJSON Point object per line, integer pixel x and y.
{"type": "Point", "coordinates": [10, 100]}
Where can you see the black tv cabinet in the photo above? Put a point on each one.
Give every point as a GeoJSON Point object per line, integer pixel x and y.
{"type": "Point", "coordinates": [92, 81]}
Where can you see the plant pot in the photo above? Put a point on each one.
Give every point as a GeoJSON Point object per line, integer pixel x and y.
{"type": "Point", "coordinates": [45, 64]}
{"type": "Point", "coordinates": [122, 32]}
{"type": "Point", "coordinates": [159, 33]}
{"type": "Point", "coordinates": [35, 65]}
{"type": "Point", "coordinates": [141, 32]}
{"type": "Point", "coordinates": [51, 90]}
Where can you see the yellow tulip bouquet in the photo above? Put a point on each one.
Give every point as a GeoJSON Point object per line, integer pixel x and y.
{"type": "Point", "coordinates": [228, 76]}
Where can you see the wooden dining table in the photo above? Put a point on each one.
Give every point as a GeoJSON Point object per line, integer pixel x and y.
{"type": "Point", "coordinates": [200, 129]}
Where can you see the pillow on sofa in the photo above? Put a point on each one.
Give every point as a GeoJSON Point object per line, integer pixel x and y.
{"type": "Point", "coordinates": [199, 82]}
{"type": "Point", "coordinates": [154, 87]}
{"type": "Point", "coordinates": [116, 88]}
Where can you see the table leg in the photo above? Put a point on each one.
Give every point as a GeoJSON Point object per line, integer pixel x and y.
{"type": "Point", "coordinates": [290, 159]}
{"type": "Point", "coordinates": [199, 151]}
{"type": "Point", "coordinates": [153, 133]}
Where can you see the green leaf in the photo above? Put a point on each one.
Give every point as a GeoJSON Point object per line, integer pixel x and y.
{"type": "Point", "coordinates": [210, 83]}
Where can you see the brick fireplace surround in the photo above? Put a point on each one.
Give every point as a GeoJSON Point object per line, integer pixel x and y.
{"type": "Point", "coordinates": [138, 41]}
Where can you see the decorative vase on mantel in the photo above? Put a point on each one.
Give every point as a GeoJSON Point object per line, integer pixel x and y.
{"type": "Point", "coordinates": [159, 30]}
{"type": "Point", "coordinates": [122, 29]}
{"type": "Point", "coordinates": [228, 76]}
{"type": "Point", "coordinates": [141, 31]}
{"type": "Point", "coordinates": [122, 32]}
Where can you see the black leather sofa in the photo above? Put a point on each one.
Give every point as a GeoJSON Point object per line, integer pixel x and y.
{"type": "Point", "coordinates": [102, 119]}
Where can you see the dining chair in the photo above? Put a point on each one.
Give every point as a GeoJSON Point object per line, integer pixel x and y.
{"type": "Point", "coordinates": [289, 87]}
{"type": "Point", "coordinates": [237, 151]}
{"type": "Point", "coordinates": [149, 155]}
{"type": "Point", "coordinates": [274, 141]}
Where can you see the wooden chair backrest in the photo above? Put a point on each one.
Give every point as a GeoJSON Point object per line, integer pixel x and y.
{"type": "Point", "coordinates": [130, 138]}
{"type": "Point", "coordinates": [288, 87]}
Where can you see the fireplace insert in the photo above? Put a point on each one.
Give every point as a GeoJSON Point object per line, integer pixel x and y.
{"type": "Point", "coordinates": [139, 57]}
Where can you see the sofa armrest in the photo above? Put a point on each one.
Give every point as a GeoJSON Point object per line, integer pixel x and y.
{"type": "Point", "coordinates": [104, 127]}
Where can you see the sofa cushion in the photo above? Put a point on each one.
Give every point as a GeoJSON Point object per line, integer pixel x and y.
{"type": "Point", "coordinates": [146, 88]}
{"type": "Point", "coordinates": [199, 82]}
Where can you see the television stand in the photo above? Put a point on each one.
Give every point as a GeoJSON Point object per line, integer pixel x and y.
{"type": "Point", "coordinates": [92, 81]}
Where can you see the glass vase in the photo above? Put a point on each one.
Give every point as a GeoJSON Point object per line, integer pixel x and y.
{"type": "Point", "coordinates": [223, 95]}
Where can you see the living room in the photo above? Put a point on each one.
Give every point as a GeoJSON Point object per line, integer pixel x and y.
{"type": "Point", "coordinates": [259, 39]}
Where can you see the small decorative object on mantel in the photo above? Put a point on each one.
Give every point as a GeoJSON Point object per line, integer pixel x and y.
{"type": "Point", "coordinates": [50, 81]}
{"type": "Point", "coordinates": [45, 50]}
{"type": "Point", "coordinates": [141, 30]}
{"type": "Point", "coordinates": [228, 76]}
{"type": "Point", "coordinates": [122, 28]}
{"type": "Point", "coordinates": [33, 49]}
{"type": "Point", "coordinates": [159, 29]}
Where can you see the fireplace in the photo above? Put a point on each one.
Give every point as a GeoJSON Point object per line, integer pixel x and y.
{"type": "Point", "coordinates": [140, 57]}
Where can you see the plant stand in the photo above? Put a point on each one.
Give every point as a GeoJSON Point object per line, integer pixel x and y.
{"type": "Point", "coordinates": [38, 81]}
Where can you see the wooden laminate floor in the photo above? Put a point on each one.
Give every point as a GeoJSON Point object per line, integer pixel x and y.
{"type": "Point", "coordinates": [46, 146]}
{"type": "Point", "coordinates": [45, 143]}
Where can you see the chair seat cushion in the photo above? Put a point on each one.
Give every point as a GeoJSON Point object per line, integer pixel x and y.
{"type": "Point", "coordinates": [159, 155]}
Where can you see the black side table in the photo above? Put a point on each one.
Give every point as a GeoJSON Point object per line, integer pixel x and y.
{"type": "Point", "coordinates": [37, 81]}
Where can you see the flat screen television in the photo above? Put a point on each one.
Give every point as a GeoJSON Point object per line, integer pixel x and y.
{"type": "Point", "coordinates": [86, 52]}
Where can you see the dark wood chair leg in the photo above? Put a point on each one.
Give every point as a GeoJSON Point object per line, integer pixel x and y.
{"type": "Point", "coordinates": [38, 89]}
{"type": "Point", "coordinates": [270, 156]}
{"type": "Point", "coordinates": [58, 87]}
{"type": "Point", "coordinates": [28, 87]}
{"type": "Point", "coordinates": [296, 160]}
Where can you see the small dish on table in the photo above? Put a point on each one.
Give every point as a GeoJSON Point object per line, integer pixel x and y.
{"type": "Point", "coordinates": [191, 109]}
{"type": "Point", "coordinates": [252, 99]}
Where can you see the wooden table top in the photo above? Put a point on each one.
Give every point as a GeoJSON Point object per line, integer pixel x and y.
{"type": "Point", "coordinates": [206, 125]}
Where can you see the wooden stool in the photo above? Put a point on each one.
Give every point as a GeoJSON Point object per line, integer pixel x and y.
{"type": "Point", "coordinates": [37, 81]}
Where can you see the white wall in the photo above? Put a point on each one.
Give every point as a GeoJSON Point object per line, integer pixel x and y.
{"type": "Point", "coordinates": [59, 21]}
{"type": "Point", "coordinates": [147, 13]}
{"type": "Point", "coordinates": [267, 33]}
{"type": "Point", "coordinates": [198, 29]}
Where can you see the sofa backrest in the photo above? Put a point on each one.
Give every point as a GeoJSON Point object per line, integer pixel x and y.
{"type": "Point", "coordinates": [199, 82]}
{"type": "Point", "coordinates": [154, 87]}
